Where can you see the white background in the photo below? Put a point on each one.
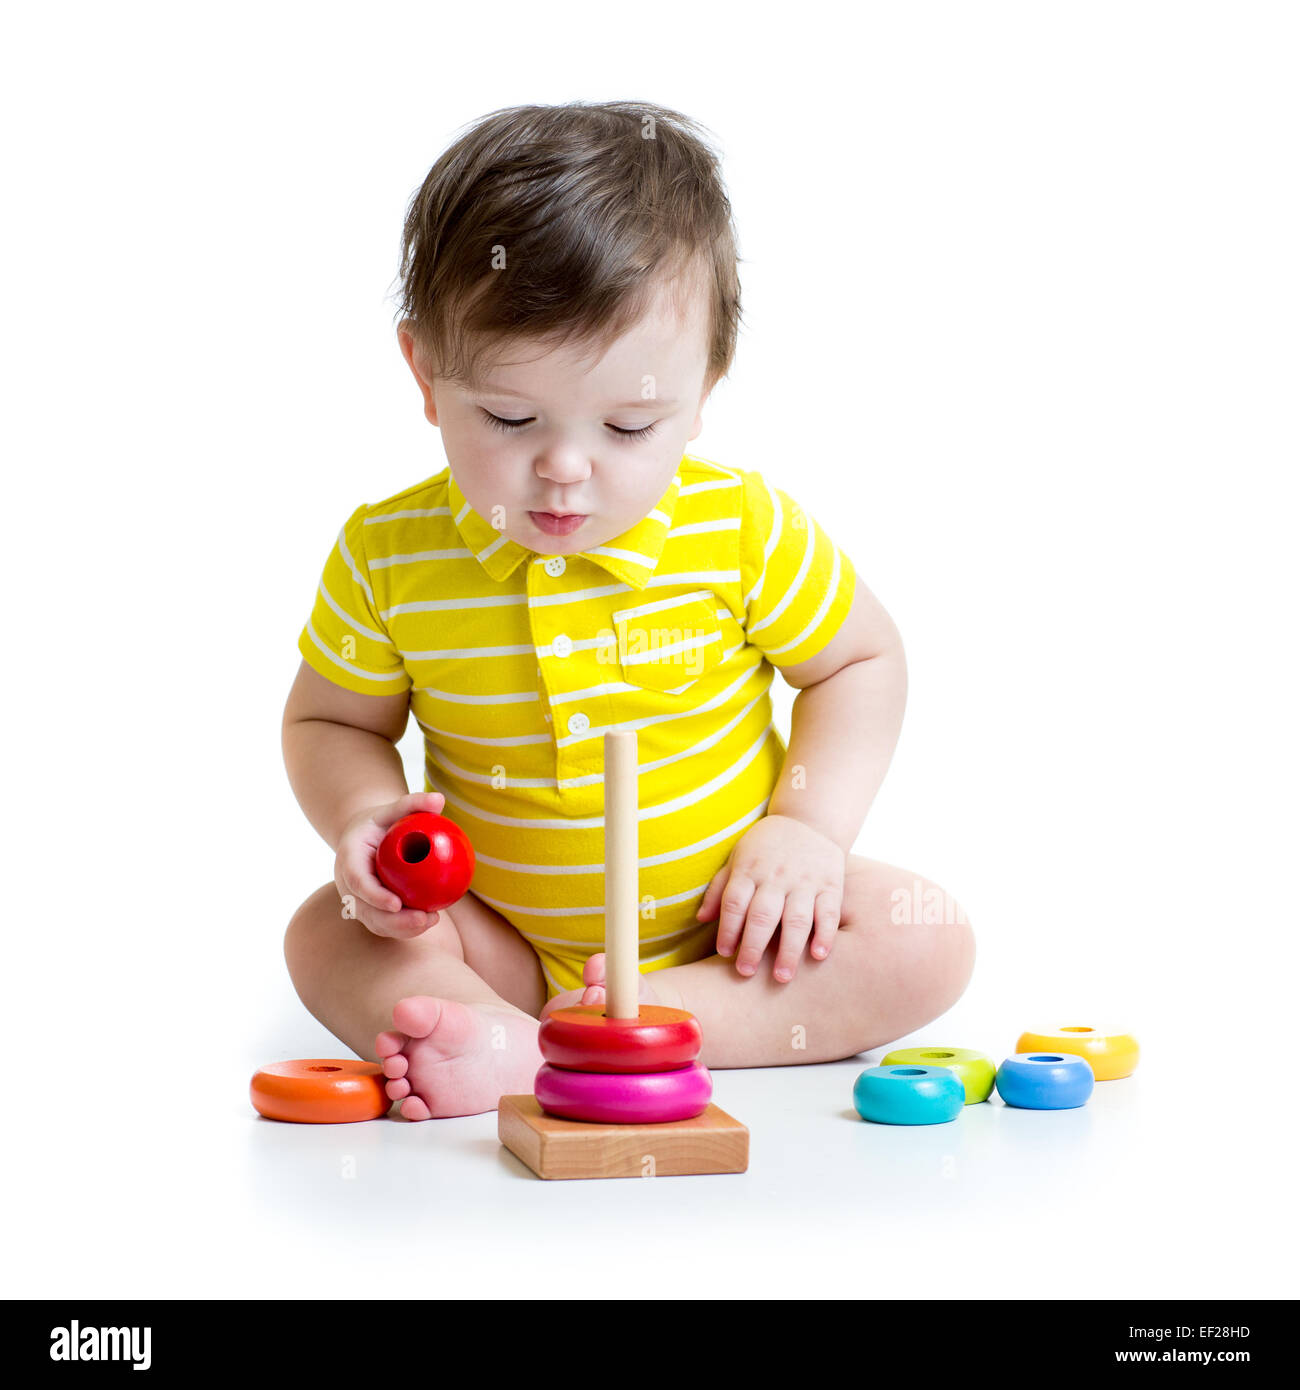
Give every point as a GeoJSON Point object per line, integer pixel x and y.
{"type": "Point", "coordinates": [1021, 303]}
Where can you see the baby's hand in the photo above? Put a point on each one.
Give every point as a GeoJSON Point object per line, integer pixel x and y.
{"type": "Point", "coordinates": [779, 871]}
{"type": "Point", "coordinates": [364, 896]}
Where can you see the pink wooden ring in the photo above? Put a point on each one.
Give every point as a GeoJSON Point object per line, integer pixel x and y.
{"type": "Point", "coordinates": [581, 1038]}
{"type": "Point", "coordinates": [622, 1098]}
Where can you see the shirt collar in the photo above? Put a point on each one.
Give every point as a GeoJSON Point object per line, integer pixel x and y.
{"type": "Point", "coordinates": [631, 557]}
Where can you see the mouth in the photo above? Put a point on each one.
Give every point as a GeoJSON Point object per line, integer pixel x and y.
{"type": "Point", "coordinates": [557, 523]}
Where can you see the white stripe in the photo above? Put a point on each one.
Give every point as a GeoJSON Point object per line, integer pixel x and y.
{"type": "Point", "coordinates": [592, 947]}
{"type": "Point", "coordinates": [455, 605]}
{"type": "Point", "coordinates": [709, 487]}
{"type": "Point", "coordinates": [633, 556]}
{"type": "Point", "coordinates": [343, 665]}
{"type": "Point", "coordinates": [507, 909]}
{"type": "Point", "coordinates": [412, 513]}
{"type": "Point", "coordinates": [356, 573]}
{"type": "Point", "coordinates": [792, 589]}
{"type": "Point", "coordinates": [452, 697]}
{"type": "Point", "coordinates": [659, 605]}
{"type": "Point", "coordinates": [699, 528]}
{"type": "Point", "coordinates": [509, 742]}
{"type": "Point", "coordinates": [713, 577]}
{"type": "Point", "coordinates": [347, 618]}
{"type": "Point", "coordinates": [551, 980]}
{"type": "Point", "coordinates": [471, 653]}
{"type": "Point", "coordinates": [827, 600]}
{"type": "Point", "coordinates": [419, 557]}
{"type": "Point", "coordinates": [778, 515]}
{"type": "Point", "coordinates": [657, 654]}
{"type": "Point", "coordinates": [492, 549]}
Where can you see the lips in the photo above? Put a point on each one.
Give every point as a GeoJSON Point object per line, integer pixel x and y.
{"type": "Point", "coordinates": [558, 523]}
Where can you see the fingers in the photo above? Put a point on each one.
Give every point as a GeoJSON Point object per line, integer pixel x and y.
{"type": "Point", "coordinates": [826, 923]}
{"type": "Point", "coordinates": [735, 903]}
{"type": "Point", "coordinates": [708, 908]}
{"type": "Point", "coordinates": [796, 924]}
{"type": "Point", "coordinates": [402, 922]}
{"type": "Point", "coordinates": [356, 863]}
{"type": "Point", "coordinates": [762, 918]}
{"type": "Point", "coordinates": [752, 913]}
{"type": "Point", "coordinates": [407, 805]}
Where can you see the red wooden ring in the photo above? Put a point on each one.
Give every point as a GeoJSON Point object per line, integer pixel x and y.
{"type": "Point", "coordinates": [581, 1038]}
{"type": "Point", "coordinates": [639, 1098]}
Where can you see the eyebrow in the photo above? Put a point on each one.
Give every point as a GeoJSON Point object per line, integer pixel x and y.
{"type": "Point", "coordinates": [654, 402]}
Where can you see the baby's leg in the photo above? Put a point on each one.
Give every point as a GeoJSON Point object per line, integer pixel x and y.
{"type": "Point", "coordinates": [903, 956]}
{"type": "Point", "coordinates": [463, 994]}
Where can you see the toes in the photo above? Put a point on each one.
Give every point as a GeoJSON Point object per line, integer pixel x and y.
{"type": "Point", "coordinates": [593, 971]}
{"type": "Point", "coordinates": [417, 1015]}
{"type": "Point", "coordinates": [388, 1044]}
{"type": "Point", "coordinates": [397, 1090]}
{"type": "Point", "coordinates": [413, 1108]}
{"type": "Point", "coordinates": [395, 1065]}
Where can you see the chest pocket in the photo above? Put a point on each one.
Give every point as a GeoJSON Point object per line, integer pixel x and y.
{"type": "Point", "coordinates": [670, 642]}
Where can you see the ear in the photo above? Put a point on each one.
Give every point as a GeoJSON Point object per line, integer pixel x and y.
{"type": "Point", "coordinates": [420, 369]}
{"type": "Point", "coordinates": [699, 414]}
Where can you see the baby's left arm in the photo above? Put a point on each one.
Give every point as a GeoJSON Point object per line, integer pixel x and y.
{"type": "Point", "coordinates": [788, 868]}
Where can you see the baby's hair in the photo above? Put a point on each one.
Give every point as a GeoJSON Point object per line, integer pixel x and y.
{"type": "Point", "coordinates": [557, 223]}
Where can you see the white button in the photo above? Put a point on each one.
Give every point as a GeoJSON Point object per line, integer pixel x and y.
{"type": "Point", "coordinates": [563, 645]}
{"type": "Point", "coordinates": [579, 723]}
{"type": "Point", "coordinates": [555, 566]}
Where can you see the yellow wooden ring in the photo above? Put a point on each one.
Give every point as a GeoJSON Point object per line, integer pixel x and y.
{"type": "Point", "coordinates": [1110, 1055]}
{"type": "Point", "coordinates": [975, 1071]}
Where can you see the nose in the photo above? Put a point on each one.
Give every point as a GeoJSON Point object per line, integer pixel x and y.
{"type": "Point", "coordinates": [562, 464]}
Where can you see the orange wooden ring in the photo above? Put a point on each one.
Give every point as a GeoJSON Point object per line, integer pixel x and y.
{"type": "Point", "coordinates": [320, 1091]}
{"type": "Point", "coordinates": [582, 1038]}
{"type": "Point", "coordinates": [1110, 1055]}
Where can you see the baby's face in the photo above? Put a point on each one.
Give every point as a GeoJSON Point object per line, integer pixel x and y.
{"type": "Point", "coordinates": [603, 440]}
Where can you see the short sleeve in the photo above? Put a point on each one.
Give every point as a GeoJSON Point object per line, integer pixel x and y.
{"type": "Point", "coordinates": [797, 584]}
{"type": "Point", "coordinates": [345, 639]}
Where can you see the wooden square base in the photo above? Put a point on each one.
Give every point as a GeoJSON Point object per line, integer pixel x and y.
{"type": "Point", "coordinates": [553, 1148]}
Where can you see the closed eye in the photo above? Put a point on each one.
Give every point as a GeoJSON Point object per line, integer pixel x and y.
{"type": "Point", "coordinates": [506, 426]}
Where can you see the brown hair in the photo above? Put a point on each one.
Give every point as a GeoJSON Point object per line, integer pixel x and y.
{"type": "Point", "coordinates": [556, 223]}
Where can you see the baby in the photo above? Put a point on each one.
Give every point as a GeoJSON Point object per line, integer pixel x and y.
{"type": "Point", "coordinates": [570, 299]}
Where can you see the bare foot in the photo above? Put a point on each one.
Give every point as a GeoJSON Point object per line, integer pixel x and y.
{"type": "Point", "coordinates": [456, 1059]}
{"type": "Point", "coordinates": [593, 989]}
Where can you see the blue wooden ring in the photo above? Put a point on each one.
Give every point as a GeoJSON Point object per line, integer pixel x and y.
{"type": "Point", "coordinates": [1045, 1081]}
{"type": "Point", "coordinates": [909, 1095]}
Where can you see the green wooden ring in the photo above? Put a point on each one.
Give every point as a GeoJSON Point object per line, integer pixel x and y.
{"type": "Point", "coordinates": [975, 1071]}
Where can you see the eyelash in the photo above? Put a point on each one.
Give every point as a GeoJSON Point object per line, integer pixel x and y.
{"type": "Point", "coordinates": [508, 426]}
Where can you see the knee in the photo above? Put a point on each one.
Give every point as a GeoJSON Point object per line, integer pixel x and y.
{"type": "Point", "coordinates": [954, 959]}
{"type": "Point", "coordinates": [934, 943]}
{"type": "Point", "coordinates": [303, 931]}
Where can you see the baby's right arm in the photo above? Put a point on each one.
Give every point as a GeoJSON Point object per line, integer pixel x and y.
{"type": "Point", "coordinates": [343, 764]}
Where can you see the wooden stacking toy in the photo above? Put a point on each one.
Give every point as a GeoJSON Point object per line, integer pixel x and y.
{"type": "Point", "coordinates": [320, 1091]}
{"type": "Point", "coordinates": [1045, 1081]}
{"type": "Point", "coordinates": [621, 1092]}
{"type": "Point", "coordinates": [1110, 1055]}
{"type": "Point", "coordinates": [427, 860]}
{"type": "Point", "coordinates": [908, 1095]}
{"type": "Point", "coordinates": [974, 1070]}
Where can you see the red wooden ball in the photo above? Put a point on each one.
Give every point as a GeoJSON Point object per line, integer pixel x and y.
{"type": "Point", "coordinates": [427, 860]}
{"type": "Point", "coordinates": [581, 1038]}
